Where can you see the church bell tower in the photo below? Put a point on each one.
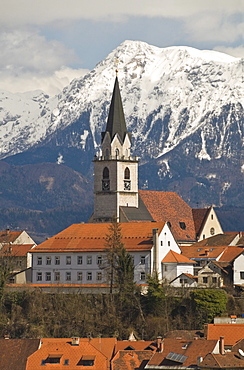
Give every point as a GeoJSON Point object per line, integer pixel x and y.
{"type": "Point", "coordinates": [115, 171]}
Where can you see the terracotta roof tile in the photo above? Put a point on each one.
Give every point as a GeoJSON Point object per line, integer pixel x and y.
{"type": "Point", "coordinates": [173, 257]}
{"type": "Point", "coordinates": [217, 240]}
{"type": "Point", "coordinates": [91, 237]}
{"type": "Point", "coordinates": [8, 236]}
{"type": "Point", "coordinates": [16, 250]}
{"type": "Point", "coordinates": [196, 251]}
{"type": "Point", "coordinates": [231, 332]}
{"type": "Point", "coordinates": [63, 349]}
{"type": "Point", "coordinates": [130, 360]}
{"type": "Point", "coordinates": [14, 352]}
{"type": "Point", "coordinates": [199, 215]}
{"type": "Point", "coordinates": [192, 349]}
{"type": "Point", "coordinates": [229, 360]}
{"type": "Point", "coordinates": [138, 345]}
{"type": "Point", "coordinates": [230, 254]}
{"type": "Point", "coordinates": [170, 207]}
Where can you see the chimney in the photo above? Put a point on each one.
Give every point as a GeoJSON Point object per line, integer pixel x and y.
{"type": "Point", "coordinates": [160, 344]}
{"type": "Point", "coordinates": [221, 345]}
{"type": "Point", "coordinates": [7, 231]}
{"type": "Point", "coordinates": [75, 341]}
{"type": "Point", "coordinates": [156, 252]}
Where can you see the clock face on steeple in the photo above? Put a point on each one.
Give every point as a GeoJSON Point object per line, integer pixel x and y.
{"type": "Point", "coordinates": [127, 185]}
{"type": "Point", "coordinates": [106, 185]}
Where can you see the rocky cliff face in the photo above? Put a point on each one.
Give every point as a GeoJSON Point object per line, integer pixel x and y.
{"type": "Point", "coordinates": [183, 106]}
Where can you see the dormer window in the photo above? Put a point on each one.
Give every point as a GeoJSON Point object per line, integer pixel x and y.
{"type": "Point", "coordinates": [105, 180]}
{"type": "Point", "coordinates": [182, 225]}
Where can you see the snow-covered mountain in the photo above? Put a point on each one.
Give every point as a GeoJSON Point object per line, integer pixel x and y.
{"type": "Point", "coordinates": [184, 107]}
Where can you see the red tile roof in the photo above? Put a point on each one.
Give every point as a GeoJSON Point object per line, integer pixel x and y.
{"type": "Point", "coordinates": [63, 349]}
{"type": "Point", "coordinates": [170, 207]}
{"type": "Point", "coordinates": [91, 237]}
{"type": "Point", "coordinates": [16, 250]}
{"type": "Point", "coordinates": [229, 360]}
{"type": "Point", "coordinates": [8, 236]}
{"type": "Point", "coordinates": [14, 352]}
{"type": "Point", "coordinates": [231, 332]}
{"type": "Point", "coordinates": [173, 257]}
{"type": "Point", "coordinates": [138, 345]}
{"type": "Point", "coordinates": [192, 349]}
{"type": "Point", "coordinates": [130, 360]}
{"type": "Point", "coordinates": [230, 254]}
{"type": "Point", "coordinates": [217, 240]}
{"type": "Point", "coordinates": [197, 251]}
{"type": "Point", "coordinates": [199, 216]}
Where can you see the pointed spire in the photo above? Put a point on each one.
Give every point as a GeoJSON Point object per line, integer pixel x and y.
{"type": "Point", "coordinates": [116, 119]}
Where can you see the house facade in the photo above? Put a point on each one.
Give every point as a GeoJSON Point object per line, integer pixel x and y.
{"type": "Point", "coordinates": [77, 255]}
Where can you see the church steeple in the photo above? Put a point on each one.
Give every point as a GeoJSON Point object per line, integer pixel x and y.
{"type": "Point", "coordinates": [115, 170]}
{"type": "Point", "coordinates": [116, 119]}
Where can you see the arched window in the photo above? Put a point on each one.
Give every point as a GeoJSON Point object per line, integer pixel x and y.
{"type": "Point", "coordinates": [127, 173]}
{"type": "Point", "coordinates": [106, 173]}
{"type": "Point", "coordinates": [107, 153]}
{"type": "Point", "coordinates": [117, 152]}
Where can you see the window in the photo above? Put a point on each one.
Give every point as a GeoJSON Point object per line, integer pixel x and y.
{"type": "Point", "coordinates": [183, 281]}
{"type": "Point", "coordinates": [66, 361]}
{"type": "Point", "coordinates": [57, 276]}
{"type": "Point", "coordinates": [48, 260]}
{"type": "Point", "coordinates": [99, 276]}
{"type": "Point", "coordinates": [168, 243]}
{"type": "Point", "coordinates": [89, 260]}
{"type": "Point", "coordinates": [57, 260]}
{"type": "Point", "coordinates": [79, 260]}
{"type": "Point", "coordinates": [86, 361]}
{"type": "Point", "coordinates": [241, 274]}
{"type": "Point", "coordinates": [143, 260]}
{"type": "Point", "coordinates": [165, 267]}
{"type": "Point", "coordinates": [142, 276]}
{"type": "Point", "coordinates": [48, 276]}
{"type": "Point", "coordinates": [214, 280]}
{"type": "Point", "coordinates": [89, 276]}
{"type": "Point", "coordinates": [106, 173]}
{"type": "Point", "coordinates": [79, 275]}
{"type": "Point", "coordinates": [52, 360]}
{"type": "Point", "coordinates": [39, 260]}
{"type": "Point", "coordinates": [182, 225]}
{"type": "Point", "coordinates": [205, 279]}
{"type": "Point", "coordinates": [99, 260]}
{"type": "Point", "coordinates": [19, 263]}
{"type": "Point", "coordinates": [68, 260]}
{"type": "Point", "coordinates": [39, 276]}
{"type": "Point", "coordinates": [127, 174]}
{"type": "Point", "coordinates": [68, 276]}
{"type": "Point", "coordinates": [117, 152]}
{"type": "Point", "coordinates": [212, 231]}
{"type": "Point", "coordinates": [161, 243]}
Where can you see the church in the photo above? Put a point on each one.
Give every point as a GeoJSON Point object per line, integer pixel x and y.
{"type": "Point", "coordinates": [155, 224]}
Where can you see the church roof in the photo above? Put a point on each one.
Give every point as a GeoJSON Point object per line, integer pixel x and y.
{"type": "Point", "coordinates": [116, 119]}
{"type": "Point", "coordinates": [166, 206]}
{"type": "Point", "coordinates": [136, 214]}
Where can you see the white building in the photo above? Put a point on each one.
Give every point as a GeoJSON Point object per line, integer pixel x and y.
{"type": "Point", "coordinates": [77, 254]}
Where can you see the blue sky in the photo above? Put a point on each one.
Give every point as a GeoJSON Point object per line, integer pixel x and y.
{"type": "Point", "coordinates": [46, 43]}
